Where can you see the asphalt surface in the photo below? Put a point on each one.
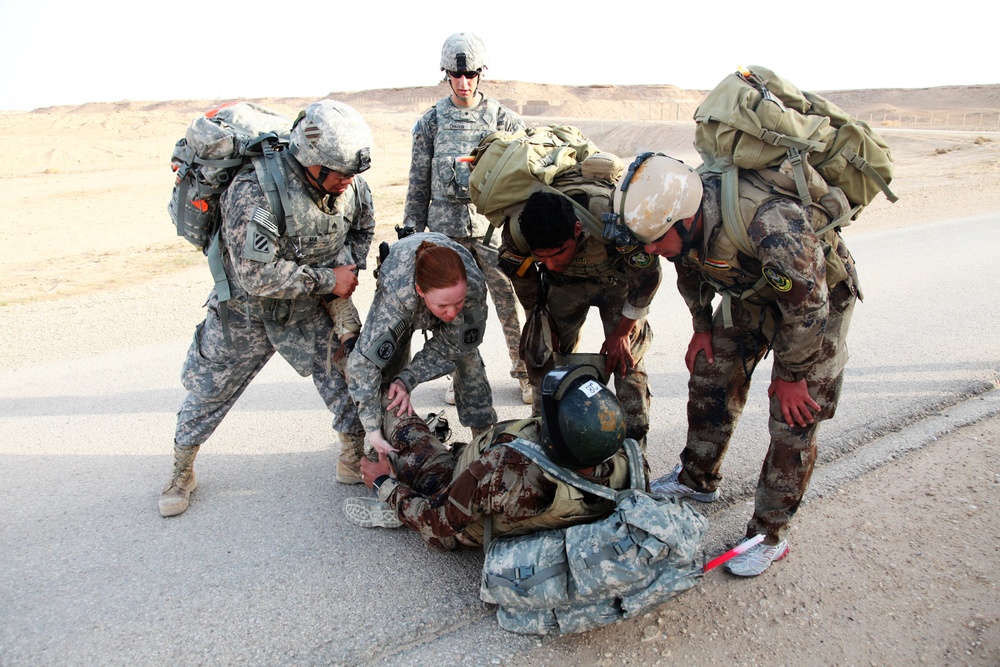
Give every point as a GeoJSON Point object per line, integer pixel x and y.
{"type": "Point", "coordinates": [265, 569]}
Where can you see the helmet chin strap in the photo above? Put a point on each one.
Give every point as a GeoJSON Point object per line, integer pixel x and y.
{"type": "Point", "coordinates": [687, 238]}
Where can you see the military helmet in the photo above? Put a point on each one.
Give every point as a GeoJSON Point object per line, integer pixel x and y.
{"type": "Point", "coordinates": [333, 135]}
{"type": "Point", "coordinates": [657, 192]}
{"type": "Point", "coordinates": [583, 423]}
{"type": "Point", "coordinates": [463, 52]}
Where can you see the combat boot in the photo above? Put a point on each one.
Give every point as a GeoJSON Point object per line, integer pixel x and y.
{"type": "Point", "coordinates": [352, 448]}
{"type": "Point", "coordinates": [177, 494]}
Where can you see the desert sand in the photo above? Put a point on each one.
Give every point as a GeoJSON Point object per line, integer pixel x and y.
{"type": "Point", "coordinates": [83, 194]}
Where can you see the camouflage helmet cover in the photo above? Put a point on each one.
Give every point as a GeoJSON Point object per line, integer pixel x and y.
{"type": "Point", "coordinates": [463, 52]}
{"type": "Point", "coordinates": [333, 135]}
{"type": "Point", "coordinates": [583, 423]}
{"type": "Point", "coordinates": [657, 192]}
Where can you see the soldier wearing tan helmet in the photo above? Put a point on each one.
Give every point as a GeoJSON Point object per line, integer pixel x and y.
{"type": "Point", "coordinates": [282, 274]}
{"type": "Point", "coordinates": [438, 199]}
{"type": "Point", "coordinates": [781, 287]}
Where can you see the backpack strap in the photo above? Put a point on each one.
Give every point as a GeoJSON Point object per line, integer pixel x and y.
{"type": "Point", "coordinates": [534, 451]}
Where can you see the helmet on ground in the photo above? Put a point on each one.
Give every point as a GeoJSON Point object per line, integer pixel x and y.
{"type": "Point", "coordinates": [657, 192]}
{"type": "Point", "coordinates": [333, 135]}
{"type": "Point", "coordinates": [583, 423]}
{"type": "Point", "coordinates": [463, 52]}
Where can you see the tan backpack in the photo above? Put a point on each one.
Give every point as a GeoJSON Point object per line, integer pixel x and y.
{"type": "Point", "coordinates": [756, 120]}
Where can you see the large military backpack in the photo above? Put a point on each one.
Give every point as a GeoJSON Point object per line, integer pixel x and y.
{"type": "Point", "coordinates": [592, 574]}
{"type": "Point", "coordinates": [508, 167]}
{"type": "Point", "coordinates": [206, 159]}
{"type": "Point", "coordinates": [755, 120]}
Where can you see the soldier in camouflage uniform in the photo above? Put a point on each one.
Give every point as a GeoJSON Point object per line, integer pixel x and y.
{"type": "Point", "coordinates": [281, 281]}
{"type": "Point", "coordinates": [447, 495]}
{"type": "Point", "coordinates": [432, 283]}
{"type": "Point", "coordinates": [438, 197]}
{"type": "Point", "coordinates": [583, 270]}
{"type": "Point", "coordinates": [788, 296]}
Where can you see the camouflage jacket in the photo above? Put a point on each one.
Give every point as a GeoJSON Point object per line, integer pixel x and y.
{"type": "Point", "coordinates": [492, 480]}
{"type": "Point", "coordinates": [437, 198]}
{"type": "Point", "coordinates": [638, 273]}
{"type": "Point", "coordinates": [791, 304]}
{"type": "Point", "coordinates": [396, 312]}
{"type": "Point", "coordinates": [279, 278]}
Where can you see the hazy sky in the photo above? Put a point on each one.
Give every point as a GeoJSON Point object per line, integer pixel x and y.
{"type": "Point", "coordinates": [62, 52]}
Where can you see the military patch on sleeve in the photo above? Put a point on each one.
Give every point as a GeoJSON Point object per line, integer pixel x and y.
{"type": "Point", "coordinates": [777, 279]}
{"type": "Point", "coordinates": [262, 236]}
{"type": "Point", "coordinates": [383, 348]}
{"type": "Point", "coordinates": [640, 260]}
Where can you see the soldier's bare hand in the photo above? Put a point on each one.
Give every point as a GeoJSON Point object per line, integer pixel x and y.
{"type": "Point", "coordinates": [347, 281]}
{"type": "Point", "coordinates": [797, 406]}
{"type": "Point", "coordinates": [399, 398]}
{"type": "Point", "coordinates": [372, 470]}
{"type": "Point", "coordinates": [701, 341]}
{"type": "Point", "coordinates": [378, 442]}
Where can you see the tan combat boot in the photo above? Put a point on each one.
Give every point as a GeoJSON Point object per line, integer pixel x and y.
{"type": "Point", "coordinates": [352, 448]}
{"type": "Point", "coordinates": [175, 497]}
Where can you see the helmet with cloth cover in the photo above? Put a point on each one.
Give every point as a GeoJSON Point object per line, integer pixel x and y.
{"type": "Point", "coordinates": [333, 135]}
{"type": "Point", "coordinates": [463, 52]}
{"type": "Point", "coordinates": [583, 423]}
{"type": "Point", "coordinates": [656, 193]}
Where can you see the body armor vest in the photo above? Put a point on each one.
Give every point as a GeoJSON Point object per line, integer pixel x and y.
{"type": "Point", "coordinates": [569, 506]}
{"type": "Point", "coordinates": [459, 131]}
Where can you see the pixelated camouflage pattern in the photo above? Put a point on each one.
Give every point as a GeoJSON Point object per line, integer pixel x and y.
{"type": "Point", "coordinates": [397, 306]}
{"type": "Point", "coordinates": [425, 209]}
{"type": "Point", "coordinates": [569, 302]}
{"type": "Point", "coordinates": [216, 374]}
{"type": "Point", "coordinates": [465, 43]}
{"type": "Point", "coordinates": [333, 135]}
{"type": "Point", "coordinates": [275, 304]}
{"type": "Point", "coordinates": [601, 585]}
{"type": "Point", "coordinates": [808, 323]}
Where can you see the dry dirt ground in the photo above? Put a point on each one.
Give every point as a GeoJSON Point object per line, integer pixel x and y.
{"type": "Point", "coordinates": [880, 573]}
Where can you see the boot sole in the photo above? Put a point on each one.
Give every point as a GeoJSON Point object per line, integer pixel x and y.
{"type": "Point", "coordinates": [371, 513]}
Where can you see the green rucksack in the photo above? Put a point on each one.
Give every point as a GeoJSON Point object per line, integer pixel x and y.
{"type": "Point", "coordinates": [214, 148]}
{"type": "Point", "coordinates": [508, 167]}
{"type": "Point", "coordinates": [592, 574]}
{"type": "Point", "coordinates": [755, 120]}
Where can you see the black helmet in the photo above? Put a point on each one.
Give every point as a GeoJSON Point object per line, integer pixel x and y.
{"type": "Point", "coordinates": [583, 423]}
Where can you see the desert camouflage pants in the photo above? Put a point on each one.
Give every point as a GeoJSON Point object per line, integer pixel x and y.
{"type": "Point", "coordinates": [717, 394]}
{"type": "Point", "coordinates": [216, 375]}
{"type": "Point", "coordinates": [504, 302]}
{"type": "Point", "coordinates": [569, 302]}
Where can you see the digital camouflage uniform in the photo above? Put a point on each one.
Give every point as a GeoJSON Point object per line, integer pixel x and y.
{"type": "Point", "coordinates": [615, 284]}
{"type": "Point", "coordinates": [438, 198]}
{"type": "Point", "coordinates": [808, 324]}
{"type": "Point", "coordinates": [382, 353]}
{"type": "Point", "coordinates": [446, 495]}
{"type": "Point", "coordinates": [277, 282]}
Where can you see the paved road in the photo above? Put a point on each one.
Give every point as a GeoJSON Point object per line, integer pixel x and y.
{"type": "Point", "coordinates": [264, 569]}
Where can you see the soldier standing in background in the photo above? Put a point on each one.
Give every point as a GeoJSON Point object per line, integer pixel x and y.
{"type": "Point", "coordinates": [438, 196]}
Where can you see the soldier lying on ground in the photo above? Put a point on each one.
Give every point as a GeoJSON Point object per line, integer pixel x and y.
{"type": "Point", "coordinates": [447, 495]}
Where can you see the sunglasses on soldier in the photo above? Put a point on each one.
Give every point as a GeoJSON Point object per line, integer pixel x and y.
{"type": "Point", "coordinates": [459, 75]}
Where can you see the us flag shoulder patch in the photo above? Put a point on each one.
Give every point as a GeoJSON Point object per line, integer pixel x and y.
{"type": "Point", "coordinates": [265, 219]}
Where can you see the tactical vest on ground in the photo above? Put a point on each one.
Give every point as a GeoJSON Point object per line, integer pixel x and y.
{"type": "Point", "coordinates": [459, 131]}
{"type": "Point", "coordinates": [570, 505]}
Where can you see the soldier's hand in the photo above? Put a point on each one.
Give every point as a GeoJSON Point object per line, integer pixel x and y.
{"type": "Point", "coordinates": [618, 346]}
{"type": "Point", "coordinates": [399, 398]}
{"type": "Point", "coordinates": [797, 406]}
{"type": "Point", "coordinates": [701, 341]}
{"type": "Point", "coordinates": [347, 281]}
{"type": "Point", "coordinates": [372, 470]}
{"type": "Point", "coordinates": [345, 349]}
{"type": "Point", "coordinates": [378, 442]}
